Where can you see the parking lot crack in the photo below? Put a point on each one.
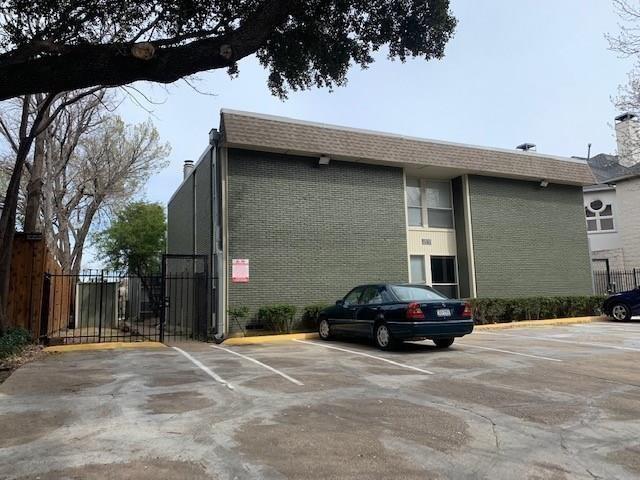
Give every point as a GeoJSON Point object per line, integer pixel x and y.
{"type": "Point", "coordinates": [563, 443]}
{"type": "Point", "coordinates": [604, 379]}
{"type": "Point", "coordinates": [572, 454]}
{"type": "Point", "coordinates": [485, 417]}
{"type": "Point", "coordinates": [593, 475]}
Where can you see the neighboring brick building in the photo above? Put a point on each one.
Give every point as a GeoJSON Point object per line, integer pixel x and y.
{"type": "Point", "coordinates": [317, 209]}
{"type": "Point", "coordinates": [612, 204]}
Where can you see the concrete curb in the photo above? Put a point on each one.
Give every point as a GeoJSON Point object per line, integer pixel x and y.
{"type": "Point", "coordinates": [87, 347]}
{"type": "Point", "coordinates": [491, 326]}
{"type": "Point", "coordinates": [541, 323]}
{"type": "Point", "coordinates": [270, 338]}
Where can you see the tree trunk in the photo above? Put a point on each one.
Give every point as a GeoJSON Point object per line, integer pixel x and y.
{"type": "Point", "coordinates": [34, 187]}
{"type": "Point", "coordinates": [77, 263]}
{"type": "Point", "coordinates": [8, 228]}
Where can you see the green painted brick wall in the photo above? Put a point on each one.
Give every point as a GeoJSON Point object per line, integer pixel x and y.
{"type": "Point", "coordinates": [528, 240]}
{"type": "Point", "coordinates": [312, 233]}
{"type": "Point", "coordinates": [180, 220]}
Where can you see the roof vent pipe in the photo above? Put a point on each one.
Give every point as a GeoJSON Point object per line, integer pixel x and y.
{"type": "Point", "coordinates": [525, 147]}
{"type": "Point", "coordinates": [187, 169]}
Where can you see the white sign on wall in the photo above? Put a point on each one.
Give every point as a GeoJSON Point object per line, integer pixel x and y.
{"type": "Point", "coordinates": [240, 270]}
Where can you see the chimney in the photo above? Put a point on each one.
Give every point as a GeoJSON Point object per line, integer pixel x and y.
{"type": "Point", "coordinates": [628, 139]}
{"type": "Point", "coordinates": [187, 169]}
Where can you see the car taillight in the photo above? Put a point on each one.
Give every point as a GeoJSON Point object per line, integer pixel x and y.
{"type": "Point", "coordinates": [467, 312]}
{"type": "Point", "coordinates": [414, 312]}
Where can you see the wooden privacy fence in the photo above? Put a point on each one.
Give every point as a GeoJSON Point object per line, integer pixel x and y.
{"type": "Point", "coordinates": [30, 261]}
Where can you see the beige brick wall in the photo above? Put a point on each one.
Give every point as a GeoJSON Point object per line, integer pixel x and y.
{"type": "Point", "coordinates": [615, 257]}
{"type": "Point", "coordinates": [628, 218]}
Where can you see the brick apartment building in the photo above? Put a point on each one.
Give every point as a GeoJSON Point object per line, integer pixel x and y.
{"type": "Point", "coordinates": [296, 212]}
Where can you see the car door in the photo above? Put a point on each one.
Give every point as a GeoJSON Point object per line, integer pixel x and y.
{"type": "Point", "coordinates": [345, 313]}
{"type": "Point", "coordinates": [370, 304]}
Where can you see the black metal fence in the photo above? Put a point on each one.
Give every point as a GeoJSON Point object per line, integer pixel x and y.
{"type": "Point", "coordinates": [613, 281]}
{"type": "Point", "coordinates": [187, 303]}
{"type": "Point", "coordinates": [102, 306]}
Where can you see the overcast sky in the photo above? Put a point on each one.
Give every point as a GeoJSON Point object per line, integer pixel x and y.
{"type": "Point", "coordinates": [515, 71]}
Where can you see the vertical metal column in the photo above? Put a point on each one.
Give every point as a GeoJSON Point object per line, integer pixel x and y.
{"type": "Point", "coordinates": [163, 297]}
{"type": "Point", "coordinates": [100, 307]}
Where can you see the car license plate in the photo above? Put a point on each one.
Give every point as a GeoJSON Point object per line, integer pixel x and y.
{"type": "Point", "coordinates": [444, 312]}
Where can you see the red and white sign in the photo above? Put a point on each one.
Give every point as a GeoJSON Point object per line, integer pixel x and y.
{"type": "Point", "coordinates": [240, 270]}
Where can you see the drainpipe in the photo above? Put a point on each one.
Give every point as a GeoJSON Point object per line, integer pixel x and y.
{"type": "Point", "coordinates": [216, 251]}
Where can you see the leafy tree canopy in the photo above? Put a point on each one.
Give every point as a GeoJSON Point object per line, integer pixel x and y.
{"type": "Point", "coordinates": [61, 45]}
{"type": "Point", "coordinates": [135, 241]}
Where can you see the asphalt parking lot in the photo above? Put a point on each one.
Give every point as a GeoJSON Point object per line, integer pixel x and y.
{"type": "Point", "coordinates": [531, 403]}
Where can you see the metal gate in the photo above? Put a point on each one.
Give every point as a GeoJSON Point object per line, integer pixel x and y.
{"type": "Point", "coordinates": [103, 306]}
{"type": "Point", "coordinates": [188, 298]}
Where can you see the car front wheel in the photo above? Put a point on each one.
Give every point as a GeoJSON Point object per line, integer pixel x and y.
{"type": "Point", "coordinates": [620, 312]}
{"type": "Point", "coordinates": [324, 329]}
{"type": "Point", "coordinates": [443, 342]}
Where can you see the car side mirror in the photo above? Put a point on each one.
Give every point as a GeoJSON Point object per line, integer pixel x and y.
{"type": "Point", "coordinates": [340, 303]}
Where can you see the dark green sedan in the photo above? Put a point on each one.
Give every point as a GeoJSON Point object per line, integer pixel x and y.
{"type": "Point", "coordinates": [389, 313]}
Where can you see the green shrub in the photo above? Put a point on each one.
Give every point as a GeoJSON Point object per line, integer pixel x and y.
{"type": "Point", "coordinates": [13, 341]}
{"type": "Point", "coordinates": [279, 318]}
{"type": "Point", "coordinates": [237, 315]}
{"type": "Point", "coordinates": [310, 315]}
{"type": "Point", "coordinates": [501, 310]}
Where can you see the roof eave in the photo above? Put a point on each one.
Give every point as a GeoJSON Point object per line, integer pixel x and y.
{"type": "Point", "coordinates": [408, 164]}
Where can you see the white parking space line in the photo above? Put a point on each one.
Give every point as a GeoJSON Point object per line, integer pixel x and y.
{"type": "Point", "coordinates": [204, 368]}
{"type": "Point", "coordinates": [574, 342]}
{"type": "Point", "coordinates": [355, 352]}
{"type": "Point", "coordinates": [257, 362]}
{"type": "Point", "coordinates": [604, 327]}
{"type": "Point", "coordinates": [510, 352]}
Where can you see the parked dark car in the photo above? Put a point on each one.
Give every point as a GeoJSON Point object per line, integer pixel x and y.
{"type": "Point", "coordinates": [391, 313]}
{"type": "Point", "coordinates": [623, 305]}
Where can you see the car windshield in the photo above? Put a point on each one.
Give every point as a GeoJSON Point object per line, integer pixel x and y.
{"type": "Point", "coordinates": [409, 293]}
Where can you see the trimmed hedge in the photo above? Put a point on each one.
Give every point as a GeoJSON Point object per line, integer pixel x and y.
{"type": "Point", "coordinates": [13, 341]}
{"type": "Point", "coordinates": [310, 315]}
{"type": "Point", "coordinates": [502, 310]}
{"type": "Point", "coordinates": [278, 318]}
{"type": "Point", "coordinates": [281, 318]}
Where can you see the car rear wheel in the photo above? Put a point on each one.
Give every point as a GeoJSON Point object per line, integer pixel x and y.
{"type": "Point", "coordinates": [620, 312]}
{"type": "Point", "coordinates": [324, 329]}
{"type": "Point", "coordinates": [383, 338]}
{"type": "Point", "coordinates": [443, 342]}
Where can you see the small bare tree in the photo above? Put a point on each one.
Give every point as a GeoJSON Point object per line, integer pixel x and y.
{"type": "Point", "coordinates": [84, 161]}
{"type": "Point", "coordinates": [627, 44]}
{"type": "Point", "coordinates": [92, 171]}
{"type": "Point", "coordinates": [30, 122]}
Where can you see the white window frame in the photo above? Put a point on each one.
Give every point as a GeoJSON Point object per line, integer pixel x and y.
{"type": "Point", "coordinates": [425, 205]}
{"type": "Point", "coordinates": [422, 201]}
{"type": "Point", "coordinates": [598, 217]}
{"type": "Point", "coordinates": [424, 269]}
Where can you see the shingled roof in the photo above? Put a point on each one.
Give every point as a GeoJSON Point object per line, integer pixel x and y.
{"type": "Point", "coordinates": [606, 168]}
{"type": "Point", "coordinates": [284, 135]}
